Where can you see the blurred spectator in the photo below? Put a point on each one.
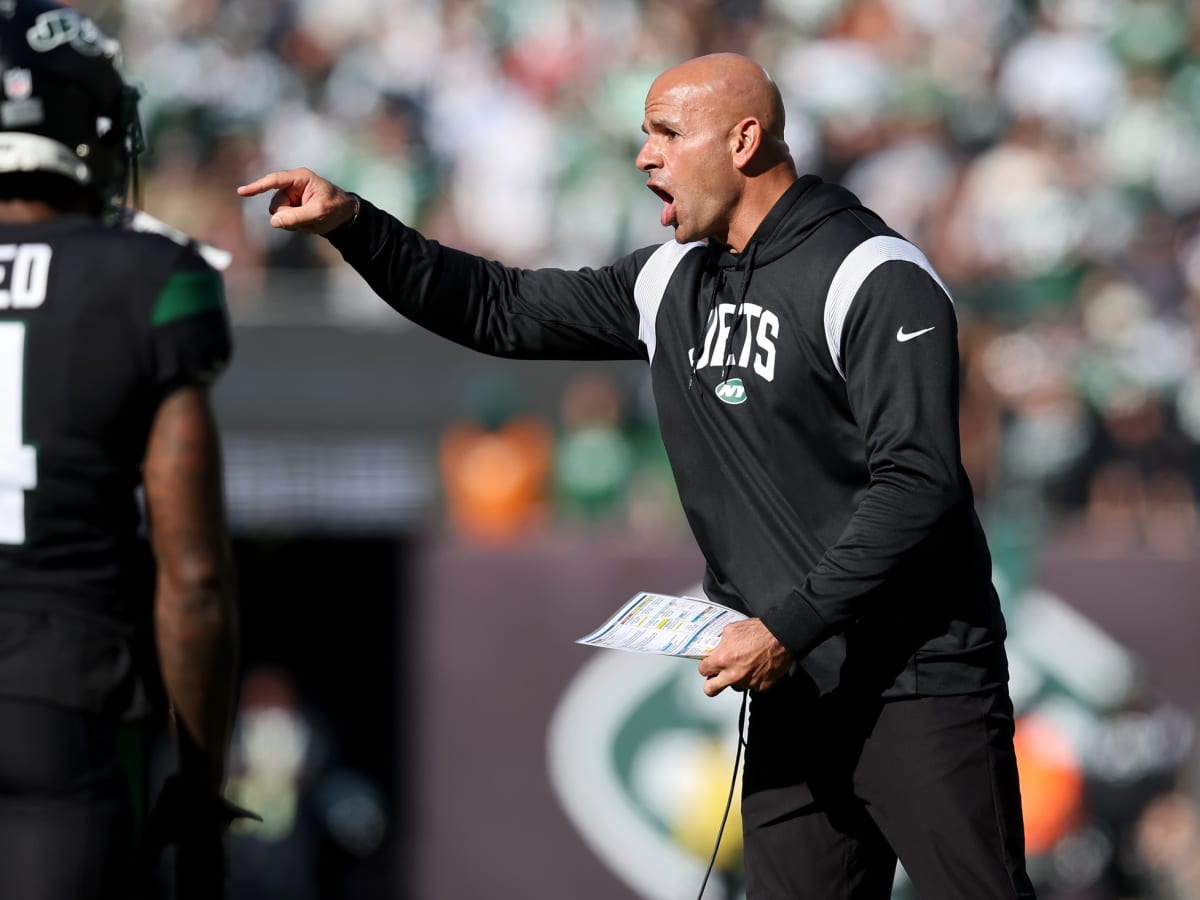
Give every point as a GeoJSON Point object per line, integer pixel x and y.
{"type": "Point", "coordinates": [495, 465]}
{"type": "Point", "coordinates": [1168, 844]}
{"type": "Point", "coordinates": [318, 817]}
{"type": "Point", "coordinates": [593, 454]}
{"type": "Point", "coordinates": [1052, 784]}
{"type": "Point", "coordinates": [610, 466]}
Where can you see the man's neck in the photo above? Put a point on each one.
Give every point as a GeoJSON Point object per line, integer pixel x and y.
{"type": "Point", "coordinates": [23, 212]}
{"type": "Point", "coordinates": [761, 195]}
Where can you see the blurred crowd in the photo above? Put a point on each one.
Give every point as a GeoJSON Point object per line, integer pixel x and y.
{"type": "Point", "coordinates": [1044, 153]}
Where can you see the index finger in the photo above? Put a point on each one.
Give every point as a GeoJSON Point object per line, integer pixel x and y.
{"type": "Point", "coordinates": [274, 180]}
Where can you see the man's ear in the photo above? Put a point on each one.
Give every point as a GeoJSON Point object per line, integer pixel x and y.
{"type": "Point", "coordinates": [745, 141]}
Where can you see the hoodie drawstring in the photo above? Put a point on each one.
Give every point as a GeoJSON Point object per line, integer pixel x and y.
{"type": "Point", "coordinates": [719, 283]}
{"type": "Point", "coordinates": [739, 312]}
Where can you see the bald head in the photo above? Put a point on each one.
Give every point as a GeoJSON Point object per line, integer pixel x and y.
{"type": "Point", "coordinates": [734, 85]}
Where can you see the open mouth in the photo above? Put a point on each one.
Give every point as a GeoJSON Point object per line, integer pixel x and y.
{"type": "Point", "coordinates": [668, 211]}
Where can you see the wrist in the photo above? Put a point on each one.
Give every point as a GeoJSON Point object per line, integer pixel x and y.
{"type": "Point", "coordinates": [356, 204]}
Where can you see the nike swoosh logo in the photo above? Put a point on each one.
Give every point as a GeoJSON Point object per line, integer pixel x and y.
{"type": "Point", "coordinates": [902, 335]}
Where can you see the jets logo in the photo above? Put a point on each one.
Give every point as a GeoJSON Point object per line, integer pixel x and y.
{"type": "Point", "coordinates": [744, 335]}
{"type": "Point", "coordinates": [641, 761]}
{"type": "Point", "coordinates": [65, 26]}
{"type": "Point", "coordinates": [731, 391]}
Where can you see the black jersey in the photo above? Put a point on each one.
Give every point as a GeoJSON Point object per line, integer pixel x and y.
{"type": "Point", "coordinates": [97, 325]}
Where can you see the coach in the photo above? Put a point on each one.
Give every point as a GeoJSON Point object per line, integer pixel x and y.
{"type": "Point", "coordinates": [804, 363]}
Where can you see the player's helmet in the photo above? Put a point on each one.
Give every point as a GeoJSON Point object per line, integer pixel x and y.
{"type": "Point", "coordinates": [64, 107]}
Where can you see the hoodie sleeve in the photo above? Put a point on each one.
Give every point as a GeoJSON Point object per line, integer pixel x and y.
{"type": "Point", "coordinates": [898, 352]}
{"type": "Point", "coordinates": [492, 308]}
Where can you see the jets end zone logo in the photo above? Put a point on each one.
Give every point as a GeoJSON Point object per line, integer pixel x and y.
{"type": "Point", "coordinates": [731, 391]}
{"type": "Point", "coordinates": [640, 760]}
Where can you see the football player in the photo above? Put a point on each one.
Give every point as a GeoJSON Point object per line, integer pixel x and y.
{"type": "Point", "coordinates": [109, 340]}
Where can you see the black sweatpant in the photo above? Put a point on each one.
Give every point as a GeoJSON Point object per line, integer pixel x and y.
{"type": "Point", "coordinates": [834, 791]}
{"type": "Point", "coordinates": [66, 817]}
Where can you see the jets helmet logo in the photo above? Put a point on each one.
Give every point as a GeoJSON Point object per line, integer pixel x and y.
{"type": "Point", "coordinates": [64, 26]}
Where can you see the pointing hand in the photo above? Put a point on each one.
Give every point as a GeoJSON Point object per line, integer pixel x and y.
{"type": "Point", "coordinates": [304, 201]}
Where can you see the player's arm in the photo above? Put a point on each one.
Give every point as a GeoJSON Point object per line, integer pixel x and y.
{"type": "Point", "coordinates": [194, 611]}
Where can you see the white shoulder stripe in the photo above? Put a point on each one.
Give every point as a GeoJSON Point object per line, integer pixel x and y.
{"type": "Point", "coordinates": [652, 284]}
{"type": "Point", "coordinates": [139, 220]}
{"type": "Point", "coordinates": [858, 264]}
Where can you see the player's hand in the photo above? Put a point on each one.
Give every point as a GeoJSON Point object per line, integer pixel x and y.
{"type": "Point", "coordinates": [304, 201]}
{"type": "Point", "coordinates": [192, 819]}
{"type": "Point", "coordinates": [748, 657]}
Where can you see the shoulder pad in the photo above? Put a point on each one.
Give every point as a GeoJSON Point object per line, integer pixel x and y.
{"type": "Point", "coordinates": [137, 220]}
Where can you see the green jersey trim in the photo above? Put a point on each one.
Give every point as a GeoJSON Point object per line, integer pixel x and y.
{"type": "Point", "coordinates": [188, 294]}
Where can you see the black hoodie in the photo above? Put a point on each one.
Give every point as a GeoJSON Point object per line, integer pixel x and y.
{"type": "Point", "coordinates": [807, 392]}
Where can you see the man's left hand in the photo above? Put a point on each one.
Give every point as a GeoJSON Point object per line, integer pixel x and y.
{"type": "Point", "coordinates": [748, 657]}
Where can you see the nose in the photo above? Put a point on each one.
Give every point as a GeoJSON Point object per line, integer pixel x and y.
{"type": "Point", "coordinates": [647, 158]}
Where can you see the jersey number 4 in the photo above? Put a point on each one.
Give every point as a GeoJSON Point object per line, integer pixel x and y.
{"type": "Point", "coordinates": [24, 270]}
{"type": "Point", "coordinates": [18, 461]}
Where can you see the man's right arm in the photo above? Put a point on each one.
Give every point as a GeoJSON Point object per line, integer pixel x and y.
{"type": "Point", "coordinates": [194, 609]}
{"type": "Point", "coordinates": [473, 301]}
